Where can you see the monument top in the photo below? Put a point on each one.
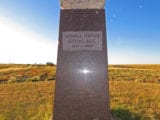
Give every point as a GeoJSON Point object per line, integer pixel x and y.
{"type": "Point", "coordinates": [82, 4]}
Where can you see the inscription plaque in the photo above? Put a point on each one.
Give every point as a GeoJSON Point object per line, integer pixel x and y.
{"type": "Point", "coordinates": [82, 40]}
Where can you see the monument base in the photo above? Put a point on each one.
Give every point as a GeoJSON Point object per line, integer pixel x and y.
{"type": "Point", "coordinates": [82, 91]}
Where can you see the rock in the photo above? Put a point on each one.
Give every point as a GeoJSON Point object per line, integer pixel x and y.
{"type": "Point", "coordinates": [82, 4]}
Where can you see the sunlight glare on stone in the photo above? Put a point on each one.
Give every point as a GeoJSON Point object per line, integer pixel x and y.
{"type": "Point", "coordinates": [85, 71]}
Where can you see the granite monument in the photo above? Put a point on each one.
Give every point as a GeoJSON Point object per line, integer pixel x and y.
{"type": "Point", "coordinates": [82, 87]}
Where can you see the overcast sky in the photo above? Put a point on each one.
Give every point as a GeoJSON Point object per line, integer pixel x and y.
{"type": "Point", "coordinates": [29, 31]}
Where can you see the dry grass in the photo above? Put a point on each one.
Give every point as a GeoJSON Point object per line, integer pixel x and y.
{"type": "Point", "coordinates": [26, 73]}
{"type": "Point", "coordinates": [134, 94]}
{"type": "Point", "coordinates": [26, 101]}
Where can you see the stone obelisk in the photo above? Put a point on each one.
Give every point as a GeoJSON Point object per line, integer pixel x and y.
{"type": "Point", "coordinates": [82, 88]}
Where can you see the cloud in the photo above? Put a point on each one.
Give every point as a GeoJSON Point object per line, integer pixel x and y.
{"type": "Point", "coordinates": [21, 45]}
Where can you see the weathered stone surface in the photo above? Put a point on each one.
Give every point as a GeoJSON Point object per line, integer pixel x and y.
{"type": "Point", "coordinates": [82, 4]}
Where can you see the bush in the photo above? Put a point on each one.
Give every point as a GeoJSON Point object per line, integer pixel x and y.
{"type": "Point", "coordinates": [12, 79]}
{"type": "Point", "coordinates": [34, 79]}
{"type": "Point", "coordinates": [50, 64]}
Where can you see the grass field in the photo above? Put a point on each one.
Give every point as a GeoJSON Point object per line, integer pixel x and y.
{"type": "Point", "coordinates": [26, 73]}
{"type": "Point", "coordinates": [134, 92]}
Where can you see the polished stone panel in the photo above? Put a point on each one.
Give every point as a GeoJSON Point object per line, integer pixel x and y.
{"type": "Point", "coordinates": [82, 91]}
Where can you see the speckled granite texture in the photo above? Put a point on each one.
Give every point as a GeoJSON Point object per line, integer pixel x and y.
{"type": "Point", "coordinates": [82, 79]}
{"type": "Point", "coordinates": [82, 4]}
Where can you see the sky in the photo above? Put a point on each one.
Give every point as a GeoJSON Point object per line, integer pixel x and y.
{"type": "Point", "coordinates": [29, 31]}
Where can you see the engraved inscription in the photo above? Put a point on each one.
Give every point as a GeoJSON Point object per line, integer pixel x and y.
{"type": "Point", "coordinates": [82, 40]}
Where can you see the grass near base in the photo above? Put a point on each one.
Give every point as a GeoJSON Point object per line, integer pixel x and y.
{"type": "Point", "coordinates": [134, 95]}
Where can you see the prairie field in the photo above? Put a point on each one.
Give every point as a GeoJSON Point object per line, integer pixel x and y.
{"type": "Point", "coordinates": [27, 92]}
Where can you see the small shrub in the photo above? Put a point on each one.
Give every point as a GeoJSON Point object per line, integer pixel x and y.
{"type": "Point", "coordinates": [12, 79]}
{"type": "Point", "coordinates": [50, 64]}
{"type": "Point", "coordinates": [34, 79]}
